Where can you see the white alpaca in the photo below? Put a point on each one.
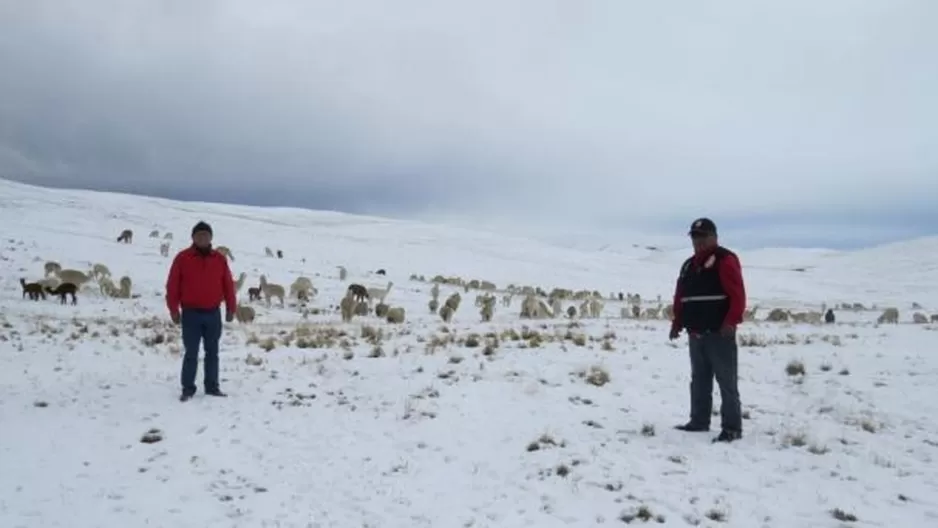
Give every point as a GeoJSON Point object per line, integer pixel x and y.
{"type": "Point", "coordinates": [268, 252]}
{"type": "Point", "coordinates": [379, 294]}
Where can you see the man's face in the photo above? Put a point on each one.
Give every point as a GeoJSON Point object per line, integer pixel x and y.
{"type": "Point", "coordinates": [202, 239]}
{"type": "Point", "coordinates": [703, 241]}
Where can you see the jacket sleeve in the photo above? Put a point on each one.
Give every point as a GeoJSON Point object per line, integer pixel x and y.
{"type": "Point", "coordinates": [731, 277]}
{"type": "Point", "coordinates": [174, 285]}
{"type": "Point", "coordinates": [227, 287]}
{"type": "Point", "coordinates": [676, 305]}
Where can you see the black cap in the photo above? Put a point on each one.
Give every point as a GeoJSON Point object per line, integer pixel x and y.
{"type": "Point", "coordinates": [703, 226]}
{"type": "Point", "coordinates": [201, 226]}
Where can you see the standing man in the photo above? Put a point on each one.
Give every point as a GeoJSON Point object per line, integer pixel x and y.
{"type": "Point", "coordinates": [709, 302]}
{"type": "Point", "coordinates": [199, 280]}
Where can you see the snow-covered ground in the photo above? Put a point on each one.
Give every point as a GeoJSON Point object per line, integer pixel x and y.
{"type": "Point", "coordinates": [499, 424]}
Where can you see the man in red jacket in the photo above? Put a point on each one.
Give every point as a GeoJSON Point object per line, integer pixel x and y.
{"type": "Point", "coordinates": [709, 301]}
{"type": "Point", "coordinates": [199, 280]}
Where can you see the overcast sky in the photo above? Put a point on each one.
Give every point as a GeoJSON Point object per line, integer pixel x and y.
{"type": "Point", "coordinates": [800, 122]}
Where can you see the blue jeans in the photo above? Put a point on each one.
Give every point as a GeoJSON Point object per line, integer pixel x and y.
{"type": "Point", "coordinates": [713, 355]}
{"type": "Point", "coordinates": [200, 326]}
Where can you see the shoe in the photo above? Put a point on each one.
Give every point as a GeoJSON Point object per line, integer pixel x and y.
{"type": "Point", "coordinates": [691, 427]}
{"type": "Point", "coordinates": [185, 397]}
{"type": "Point", "coordinates": [217, 393]}
{"type": "Point", "coordinates": [728, 435]}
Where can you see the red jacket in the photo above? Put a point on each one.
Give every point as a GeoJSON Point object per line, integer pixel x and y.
{"type": "Point", "coordinates": [199, 281]}
{"type": "Point", "coordinates": [731, 277]}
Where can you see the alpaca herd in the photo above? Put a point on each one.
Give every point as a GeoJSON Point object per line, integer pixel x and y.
{"type": "Point", "coordinates": [360, 300]}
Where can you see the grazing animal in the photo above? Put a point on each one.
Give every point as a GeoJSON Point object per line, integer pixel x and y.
{"type": "Point", "coordinates": [168, 236]}
{"type": "Point", "coordinates": [381, 272]}
{"type": "Point", "coordinates": [254, 294]}
{"type": "Point", "coordinates": [446, 313]}
{"type": "Point", "coordinates": [75, 277]}
{"type": "Point", "coordinates": [919, 318]}
{"type": "Point", "coordinates": [343, 273]}
{"type": "Point", "coordinates": [395, 315]}
{"type": "Point", "coordinates": [433, 305]}
{"type": "Point", "coordinates": [829, 316]}
{"type": "Point", "coordinates": [240, 282]}
{"type": "Point", "coordinates": [99, 271]}
{"type": "Point", "coordinates": [279, 254]}
{"type": "Point", "coordinates": [33, 289]}
{"type": "Point", "coordinates": [268, 252]}
{"type": "Point", "coordinates": [359, 291]}
{"type": "Point", "coordinates": [347, 306]}
{"type": "Point", "coordinates": [245, 314]}
{"type": "Point", "coordinates": [889, 315]}
{"type": "Point", "coordinates": [381, 309]}
{"type": "Point", "coordinates": [52, 268]}
{"type": "Point", "coordinates": [164, 249]}
{"type": "Point", "coordinates": [271, 290]}
{"type": "Point", "coordinates": [63, 290]}
{"type": "Point", "coordinates": [126, 236]}
{"type": "Point", "coordinates": [571, 311]}
{"type": "Point", "coordinates": [621, 296]}
{"type": "Point", "coordinates": [154, 234]}
{"type": "Point", "coordinates": [379, 293]}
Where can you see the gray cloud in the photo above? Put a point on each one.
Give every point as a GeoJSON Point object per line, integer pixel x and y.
{"type": "Point", "coordinates": [629, 113]}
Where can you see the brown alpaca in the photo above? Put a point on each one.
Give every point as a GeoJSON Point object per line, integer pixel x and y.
{"type": "Point", "coordinates": [358, 291]}
{"type": "Point", "coordinates": [33, 289]}
{"type": "Point", "coordinates": [254, 294]}
{"type": "Point", "coordinates": [63, 290]}
{"type": "Point", "coordinates": [126, 236]}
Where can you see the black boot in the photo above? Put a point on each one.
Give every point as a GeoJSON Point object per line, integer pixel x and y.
{"type": "Point", "coordinates": [728, 435]}
{"type": "Point", "coordinates": [692, 427]}
{"type": "Point", "coordinates": [186, 396]}
{"type": "Point", "coordinates": [216, 392]}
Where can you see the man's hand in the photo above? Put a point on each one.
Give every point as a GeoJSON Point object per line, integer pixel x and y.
{"type": "Point", "coordinates": [229, 317]}
{"type": "Point", "coordinates": [175, 317]}
{"type": "Point", "coordinates": [727, 330]}
{"type": "Point", "coordinates": [675, 332]}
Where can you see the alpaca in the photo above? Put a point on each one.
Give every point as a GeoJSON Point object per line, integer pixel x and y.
{"type": "Point", "coordinates": [245, 314]}
{"type": "Point", "coordinates": [154, 234]}
{"type": "Point", "coordinates": [395, 315]}
{"type": "Point", "coordinates": [126, 236]}
{"type": "Point", "coordinates": [381, 309]}
{"type": "Point", "coordinates": [268, 252]}
{"type": "Point", "coordinates": [254, 294]}
{"type": "Point", "coordinates": [64, 289]}
{"type": "Point", "coordinates": [433, 305]}
{"type": "Point", "coordinates": [347, 306]}
{"type": "Point", "coordinates": [381, 272]}
{"type": "Point", "coordinates": [240, 282]}
{"type": "Point", "coordinates": [343, 273]}
{"type": "Point", "coordinates": [359, 291]}
{"type": "Point", "coordinates": [164, 249]}
{"type": "Point", "coordinates": [168, 236]}
{"type": "Point", "coordinates": [889, 315]}
{"type": "Point", "coordinates": [99, 271]}
{"type": "Point", "coordinates": [379, 293]}
{"type": "Point", "coordinates": [279, 254]}
{"type": "Point", "coordinates": [33, 289]}
{"type": "Point", "coordinates": [271, 290]}
{"type": "Point", "coordinates": [75, 277]}
{"type": "Point", "coordinates": [52, 268]}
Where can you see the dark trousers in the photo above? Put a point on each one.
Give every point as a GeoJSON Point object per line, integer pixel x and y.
{"type": "Point", "coordinates": [714, 355]}
{"type": "Point", "coordinates": [200, 326]}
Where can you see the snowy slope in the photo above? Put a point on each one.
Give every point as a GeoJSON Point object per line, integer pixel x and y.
{"type": "Point", "coordinates": [419, 426]}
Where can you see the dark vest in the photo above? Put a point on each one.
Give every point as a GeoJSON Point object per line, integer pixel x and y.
{"type": "Point", "coordinates": [704, 303]}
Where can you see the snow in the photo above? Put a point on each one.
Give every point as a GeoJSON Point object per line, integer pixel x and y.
{"type": "Point", "coordinates": [433, 432]}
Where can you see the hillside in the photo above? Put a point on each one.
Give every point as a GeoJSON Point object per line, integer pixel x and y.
{"type": "Point", "coordinates": [498, 424]}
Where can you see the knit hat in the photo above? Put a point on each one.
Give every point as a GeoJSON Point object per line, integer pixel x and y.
{"type": "Point", "coordinates": [201, 226]}
{"type": "Point", "coordinates": [703, 226]}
